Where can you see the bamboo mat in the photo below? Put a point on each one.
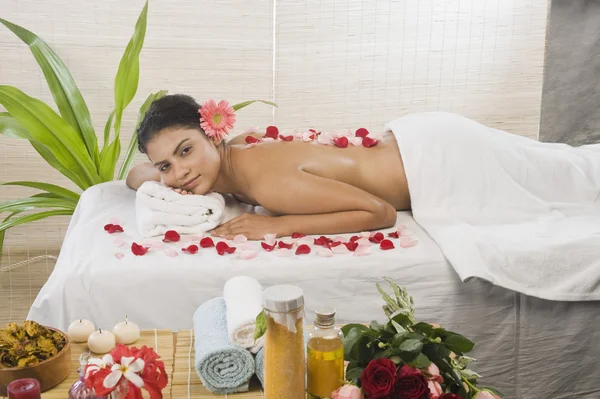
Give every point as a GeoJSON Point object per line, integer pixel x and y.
{"type": "Point", "coordinates": [187, 384]}
{"type": "Point", "coordinates": [160, 340]}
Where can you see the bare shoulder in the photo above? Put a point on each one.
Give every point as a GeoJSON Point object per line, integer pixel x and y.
{"type": "Point", "coordinates": [241, 138]}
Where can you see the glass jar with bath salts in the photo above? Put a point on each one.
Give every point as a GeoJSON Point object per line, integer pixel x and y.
{"type": "Point", "coordinates": [284, 353]}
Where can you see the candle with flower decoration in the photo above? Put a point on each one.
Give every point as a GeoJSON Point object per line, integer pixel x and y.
{"type": "Point", "coordinates": [126, 332]}
{"type": "Point", "coordinates": [101, 341]}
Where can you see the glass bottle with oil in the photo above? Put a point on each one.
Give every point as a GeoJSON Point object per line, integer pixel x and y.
{"type": "Point", "coordinates": [325, 355]}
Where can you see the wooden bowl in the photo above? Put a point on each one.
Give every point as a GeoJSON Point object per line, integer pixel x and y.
{"type": "Point", "coordinates": [49, 373]}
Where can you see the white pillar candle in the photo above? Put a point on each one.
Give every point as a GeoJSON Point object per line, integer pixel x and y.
{"type": "Point", "coordinates": [126, 332]}
{"type": "Point", "coordinates": [80, 330]}
{"type": "Point", "coordinates": [101, 341]}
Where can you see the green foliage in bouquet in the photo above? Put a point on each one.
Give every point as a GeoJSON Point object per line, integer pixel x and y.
{"type": "Point", "coordinates": [407, 342]}
{"type": "Point", "coordinates": [67, 140]}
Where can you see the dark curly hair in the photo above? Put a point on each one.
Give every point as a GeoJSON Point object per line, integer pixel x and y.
{"type": "Point", "coordinates": [174, 110]}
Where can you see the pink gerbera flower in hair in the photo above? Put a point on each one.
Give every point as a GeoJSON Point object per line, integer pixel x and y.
{"type": "Point", "coordinates": [216, 119]}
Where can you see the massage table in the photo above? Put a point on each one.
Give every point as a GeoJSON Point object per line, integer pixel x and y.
{"type": "Point", "coordinates": [528, 348]}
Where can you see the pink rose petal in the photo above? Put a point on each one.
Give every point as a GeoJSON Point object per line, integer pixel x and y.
{"type": "Point", "coordinates": [308, 136]}
{"type": "Point", "coordinates": [246, 245]}
{"type": "Point", "coordinates": [324, 139]}
{"type": "Point", "coordinates": [114, 221]}
{"type": "Point", "coordinates": [356, 141]}
{"type": "Point", "coordinates": [171, 253]}
{"type": "Point", "coordinates": [324, 252]}
{"type": "Point", "coordinates": [340, 249]}
{"type": "Point", "coordinates": [340, 239]}
{"type": "Point", "coordinates": [364, 242]}
{"type": "Point", "coordinates": [283, 252]}
{"type": "Point", "coordinates": [367, 234]}
{"type": "Point", "coordinates": [252, 145]}
{"type": "Point", "coordinates": [119, 255]}
{"type": "Point", "coordinates": [407, 242]}
{"type": "Point", "coordinates": [406, 233]}
{"type": "Point", "coordinates": [119, 242]}
{"type": "Point", "coordinates": [362, 250]}
{"type": "Point", "coordinates": [240, 238]}
{"type": "Point", "coordinates": [247, 254]}
{"type": "Point", "coordinates": [154, 244]}
{"type": "Point", "coordinates": [267, 139]}
{"type": "Point", "coordinates": [270, 238]}
{"type": "Point", "coordinates": [305, 241]}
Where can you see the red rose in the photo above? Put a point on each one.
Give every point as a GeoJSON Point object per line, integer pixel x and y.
{"type": "Point", "coordinates": [450, 396]}
{"type": "Point", "coordinates": [377, 379]}
{"type": "Point", "coordinates": [411, 384]}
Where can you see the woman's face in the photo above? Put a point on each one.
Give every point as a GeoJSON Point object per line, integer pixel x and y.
{"type": "Point", "coordinates": [185, 158]}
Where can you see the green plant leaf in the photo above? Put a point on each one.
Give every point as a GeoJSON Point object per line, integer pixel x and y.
{"type": "Point", "coordinates": [51, 188]}
{"type": "Point", "coordinates": [423, 328]}
{"type": "Point", "coordinates": [352, 339]}
{"type": "Point", "coordinates": [67, 96]}
{"type": "Point", "coordinates": [3, 232]}
{"type": "Point", "coordinates": [353, 374]}
{"type": "Point", "coordinates": [108, 160]}
{"type": "Point", "coordinates": [458, 344]}
{"type": "Point", "coordinates": [375, 326]}
{"type": "Point", "coordinates": [420, 362]}
{"type": "Point", "coordinates": [50, 130]}
{"type": "Point", "coordinates": [346, 328]}
{"type": "Point", "coordinates": [26, 204]}
{"type": "Point", "coordinates": [132, 148]}
{"type": "Point", "coordinates": [107, 127]}
{"type": "Point", "coordinates": [398, 339]}
{"type": "Point", "coordinates": [261, 325]}
{"type": "Point", "coordinates": [128, 74]}
{"type": "Point", "coordinates": [32, 218]}
{"type": "Point", "coordinates": [239, 106]}
{"type": "Point", "coordinates": [410, 349]}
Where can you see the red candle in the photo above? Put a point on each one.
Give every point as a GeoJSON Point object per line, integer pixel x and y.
{"type": "Point", "coordinates": [25, 388]}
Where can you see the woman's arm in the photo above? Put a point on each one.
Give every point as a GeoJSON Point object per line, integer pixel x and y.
{"type": "Point", "coordinates": [140, 174]}
{"type": "Point", "coordinates": [311, 205]}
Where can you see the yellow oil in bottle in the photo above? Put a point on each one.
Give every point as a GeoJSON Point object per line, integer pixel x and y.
{"type": "Point", "coordinates": [325, 358]}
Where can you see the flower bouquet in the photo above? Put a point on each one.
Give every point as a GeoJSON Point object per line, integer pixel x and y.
{"type": "Point", "coordinates": [125, 371]}
{"type": "Point", "coordinates": [403, 359]}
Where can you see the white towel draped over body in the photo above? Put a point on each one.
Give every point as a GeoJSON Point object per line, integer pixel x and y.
{"type": "Point", "coordinates": [243, 297]}
{"type": "Point", "coordinates": [159, 209]}
{"type": "Point", "coordinates": [522, 214]}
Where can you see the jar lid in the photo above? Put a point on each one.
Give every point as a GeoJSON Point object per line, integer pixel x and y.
{"type": "Point", "coordinates": [325, 317]}
{"type": "Point", "coordinates": [283, 298]}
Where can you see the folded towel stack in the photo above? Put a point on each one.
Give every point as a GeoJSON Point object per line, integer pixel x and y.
{"type": "Point", "coordinates": [222, 366]}
{"type": "Point", "coordinates": [243, 297]}
{"type": "Point", "coordinates": [159, 209]}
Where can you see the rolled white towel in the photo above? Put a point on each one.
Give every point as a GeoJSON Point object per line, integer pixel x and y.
{"type": "Point", "coordinates": [243, 297]}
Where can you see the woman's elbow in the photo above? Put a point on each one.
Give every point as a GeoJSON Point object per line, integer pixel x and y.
{"type": "Point", "coordinates": [384, 216]}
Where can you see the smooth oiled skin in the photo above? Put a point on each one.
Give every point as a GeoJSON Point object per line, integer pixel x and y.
{"type": "Point", "coordinates": [312, 187]}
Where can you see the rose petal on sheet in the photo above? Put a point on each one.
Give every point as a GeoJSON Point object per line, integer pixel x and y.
{"type": "Point", "coordinates": [354, 238]}
{"type": "Point", "coordinates": [394, 234]}
{"type": "Point", "coordinates": [240, 238]}
{"type": "Point", "coordinates": [282, 244]}
{"type": "Point", "coordinates": [303, 249]}
{"type": "Point", "coordinates": [377, 237]}
{"type": "Point", "coordinates": [172, 253]}
{"type": "Point", "coordinates": [361, 132]}
{"type": "Point", "coordinates": [369, 142]}
{"type": "Point", "coordinates": [298, 235]}
{"type": "Point", "coordinates": [207, 242]}
{"type": "Point", "coordinates": [270, 239]}
{"type": "Point", "coordinates": [272, 132]}
{"type": "Point", "coordinates": [341, 142]}
{"type": "Point", "coordinates": [356, 141]}
{"type": "Point", "coordinates": [367, 234]}
{"type": "Point", "coordinates": [119, 242]}
{"type": "Point", "coordinates": [171, 236]}
{"type": "Point", "coordinates": [138, 250]}
{"type": "Point", "coordinates": [362, 250]}
{"type": "Point", "coordinates": [154, 244]}
{"type": "Point", "coordinates": [339, 238]}
{"type": "Point", "coordinates": [283, 252]}
{"type": "Point", "coordinates": [364, 242]}
{"type": "Point", "coordinates": [286, 138]}
{"type": "Point", "coordinates": [268, 247]}
{"type": "Point", "coordinates": [246, 245]}
{"type": "Point", "coordinates": [351, 245]}
{"type": "Point", "coordinates": [192, 249]}
{"type": "Point", "coordinates": [386, 244]}
{"type": "Point", "coordinates": [407, 242]}
{"type": "Point", "coordinates": [113, 228]}
{"type": "Point", "coordinates": [340, 249]}
{"type": "Point", "coordinates": [247, 254]}
{"type": "Point", "coordinates": [119, 255]}
{"type": "Point", "coordinates": [324, 252]}
{"type": "Point", "coordinates": [305, 241]}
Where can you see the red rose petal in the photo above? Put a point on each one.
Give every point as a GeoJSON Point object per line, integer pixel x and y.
{"type": "Point", "coordinates": [171, 236]}
{"type": "Point", "coordinates": [386, 244]}
{"type": "Point", "coordinates": [323, 241]}
{"type": "Point", "coordinates": [207, 242]}
{"type": "Point", "coordinates": [354, 238]}
{"type": "Point", "coordinates": [302, 249]}
{"type": "Point", "coordinates": [394, 234]}
{"type": "Point", "coordinates": [251, 140]}
{"type": "Point", "coordinates": [377, 238]}
{"type": "Point", "coordinates": [334, 244]}
{"type": "Point", "coordinates": [272, 132]}
{"type": "Point", "coordinates": [284, 245]}
{"type": "Point", "coordinates": [223, 248]}
{"type": "Point", "coordinates": [192, 249]}
{"type": "Point", "coordinates": [113, 228]}
{"type": "Point", "coordinates": [298, 235]}
{"type": "Point", "coordinates": [362, 132]}
{"type": "Point", "coordinates": [138, 250]}
{"type": "Point", "coordinates": [369, 142]}
{"type": "Point", "coordinates": [351, 245]}
{"type": "Point", "coordinates": [341, 142]}
{"type": "Point", "coordinates": [286, 138]}
{"type": "Point", "coordinates": [268, 247]}
{"type": "Point", "coordinates": [312, 130]}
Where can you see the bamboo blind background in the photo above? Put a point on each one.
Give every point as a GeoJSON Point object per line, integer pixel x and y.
{"type": "Point", "coordinates": [327, 63]}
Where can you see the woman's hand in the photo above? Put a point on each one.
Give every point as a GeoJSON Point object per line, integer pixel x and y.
{"type": "Point", "coordinates": [253, 226]}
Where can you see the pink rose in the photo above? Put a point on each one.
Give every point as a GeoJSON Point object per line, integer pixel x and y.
{"type": "Point", "coordinates": [486, 395]}
{"type": "Point", "coordinates": [435, 389]}
{"type": "Point", "coordinates": [347, 392]}
{"type": "Point", "coordinates": [433, 373]}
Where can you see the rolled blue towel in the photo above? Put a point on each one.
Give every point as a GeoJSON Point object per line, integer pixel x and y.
{"type": "Point", "coordinates": [260, 372]}
{"type": "Point", "coordinates": [222, 367]}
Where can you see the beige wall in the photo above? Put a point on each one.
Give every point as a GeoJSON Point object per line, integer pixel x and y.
{"type": "Point", "coordinates": [337, 64]}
